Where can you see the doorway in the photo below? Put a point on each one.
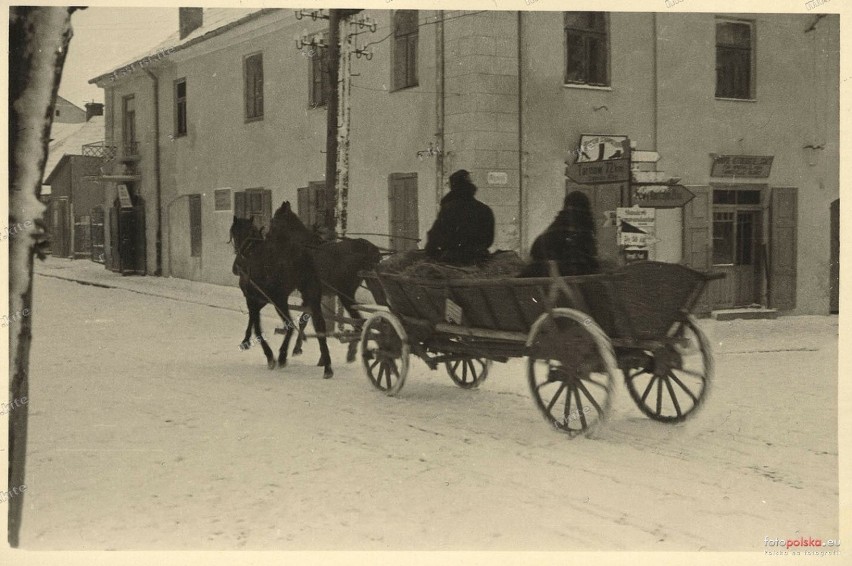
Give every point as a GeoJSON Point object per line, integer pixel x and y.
{"type": "Point", "coordinates": [738, 247]}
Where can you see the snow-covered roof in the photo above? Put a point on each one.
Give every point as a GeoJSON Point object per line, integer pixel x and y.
{"type": "Point", "coordinates": [70, 138]}
{"type": "Point", "coordinates": [215, 21]}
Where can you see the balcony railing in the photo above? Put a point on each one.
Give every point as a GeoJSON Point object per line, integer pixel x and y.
{"type": "Point", "coordinates": [99, 149]}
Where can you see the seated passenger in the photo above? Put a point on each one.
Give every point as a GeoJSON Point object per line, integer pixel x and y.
{"type": "Point", "coordinates": [464, 228]}
{"type": "Point", "coordinates": [569, 240]}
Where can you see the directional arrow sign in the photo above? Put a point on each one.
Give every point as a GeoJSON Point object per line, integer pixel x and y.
{"type": "Point", "coordinates": [645, 156]}
{"type": "Point", "coordinates": [599, 172]}
{"type": "Point", "coordinates": [655, 177]}
{"type": "Point", "coordinates": [660, 196]}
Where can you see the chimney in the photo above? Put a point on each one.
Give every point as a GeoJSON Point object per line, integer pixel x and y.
{"type": "Point", "coordinates": [190, 19]}
{"type": "Point", "coordinates": [94, 109]}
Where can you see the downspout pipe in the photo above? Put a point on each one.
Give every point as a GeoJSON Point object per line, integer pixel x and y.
{"type": "Point", "coordinates": [441, 72]}
{"type": "Point", "coordinates": [522, 208]}
{"type": "Point", "coordinates": [158, 245]}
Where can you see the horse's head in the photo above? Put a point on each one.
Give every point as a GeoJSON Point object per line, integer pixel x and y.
{"type": "Point", "coordinates": [286, 224]}
{"type": "Point", "coordinates": [241, 230]}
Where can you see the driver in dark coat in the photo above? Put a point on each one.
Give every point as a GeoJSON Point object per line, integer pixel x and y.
{"type": "Point", "coordinates": [464, 228]}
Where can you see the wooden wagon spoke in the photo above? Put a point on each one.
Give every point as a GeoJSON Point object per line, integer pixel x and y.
{"type": "Point", "coordinates": [391, 370]}
{"type": "Point", "coordinates": [684, 387]}
{"type": "Point", "coordinates": [638, 373]}
{"type": "Point", "coordinates": [582, 386]}
{"type": "Point", "coordinates": [673, 396]}
{"type": "Point", "coordinates": [580, 411]}
{"type": "Point", "coordinates": [693, 373]}
{"type": "Point", "coordinates": [556, 396]}
{"type": "Point", "coordinates": [648, 389]}
{"type": "Point", "coordinates": [588, 379]}
{"type": "Point", "coordinates": [659, 395]}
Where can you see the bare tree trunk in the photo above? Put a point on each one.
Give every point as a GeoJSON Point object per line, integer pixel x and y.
{"type": "Point", "coordinates": [38, 41]}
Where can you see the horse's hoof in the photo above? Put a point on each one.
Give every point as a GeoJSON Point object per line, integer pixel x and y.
{"type": "Point", "coordinates": [350, 357]}
{"type": "Point", "coordinates": [328, 373]}
{"type": "Point", "coordinates": [270, 364]}
{"type": "Point", "coordinates": [297, 352]}
{"type": "Point", "coordinates": [245, 346]}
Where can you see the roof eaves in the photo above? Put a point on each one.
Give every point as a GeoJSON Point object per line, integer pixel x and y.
{"type": "Point", "coordinates": [210, 34]}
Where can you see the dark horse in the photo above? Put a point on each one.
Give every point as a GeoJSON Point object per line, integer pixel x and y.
{"type": "Point", "coordinates": [337, 264]}
{"type": "Point", "coordinates": [270, 269]}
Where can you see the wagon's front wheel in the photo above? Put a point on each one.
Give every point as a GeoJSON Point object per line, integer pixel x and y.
{"type": "Point", "coordinates": [468, 373]}
{"type": "Point", "coordinates": [384, 352]}
{"type": "Point", "coordinates": [670, 384]}
{"type": "Point", "coordinates": [571, 368]}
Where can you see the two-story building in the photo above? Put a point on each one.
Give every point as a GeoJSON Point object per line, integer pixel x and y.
{"type": "Point", "coordinates": [228, 117]}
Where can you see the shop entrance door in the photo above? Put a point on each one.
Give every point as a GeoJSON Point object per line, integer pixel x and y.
{"type": "Point", "coordinates": [737, 248]}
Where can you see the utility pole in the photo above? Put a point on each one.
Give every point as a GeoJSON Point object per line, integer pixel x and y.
{"type": "Point", "coordinates": [333, 62]}
{"type": "Point", "coordinates": [339, 68]}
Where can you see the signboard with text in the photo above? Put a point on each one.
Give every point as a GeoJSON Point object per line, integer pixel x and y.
{"type": "Point", "coordinates": [753, 166]}
{"type": "Point", "coordinates": [636, 226]}
{"type": "Point", "coordinates": [124, 197]}
{"type": "Point", "coordinates": [660, 196]}
{"type": "Point", "coordinates": [599, 172]}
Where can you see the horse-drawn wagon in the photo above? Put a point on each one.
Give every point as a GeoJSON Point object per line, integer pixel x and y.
{"type": "Point", "coordinates": [577, 333]}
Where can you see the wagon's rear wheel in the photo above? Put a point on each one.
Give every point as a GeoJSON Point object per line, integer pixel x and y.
{"type": "Point", "coordinates": [468, 373]}
{"type": "Point", "coordinates": [571, 369]}
{"type": "Point", "coordinates": [384, 352]}
{"type": "Point", "coordinates": [671, 383]}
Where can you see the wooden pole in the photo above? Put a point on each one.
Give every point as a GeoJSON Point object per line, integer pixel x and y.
{"type": "Point", "coordinates": [342, 194]}
{"type": "Point", "coordinates": [38, 43]}
{"type": "Point", "coordinates": [333, 62]}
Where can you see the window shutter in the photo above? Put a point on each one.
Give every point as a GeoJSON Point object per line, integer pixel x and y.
{"type": "Point", "coordinates": [782, 248]}
{"type": "Point", "coordinates": [411, 62]}
{"type": "Point", "coordinates": [266, 208]}
{"type": "Point", "coordinates": [240, 204]}
{"type": "Point", "coordinates": [399, 60]}
{"type": "Point", "coordinates": [697, 239]}
{"type": "Point", "coordinates": [304, 204]}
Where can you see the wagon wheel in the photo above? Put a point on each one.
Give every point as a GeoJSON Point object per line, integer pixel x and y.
{"type": "Point", "coordinates": [571, 368]}
{"type": "Point", "coordinates": [672, 382]}
{"type": "Point", "coordinates": [468, 373]}
{"type": "Point", "coordinates": [384, 352]}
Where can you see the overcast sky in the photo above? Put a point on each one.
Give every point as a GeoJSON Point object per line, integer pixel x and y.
{"type": "Point", "coordinates": [107, 37]}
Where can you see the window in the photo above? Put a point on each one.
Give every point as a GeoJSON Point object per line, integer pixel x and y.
{"type": "Point", "coordinates": [320, 82]}
{"type": "Point", "coordinates": [180, 107]}
{"type": "Point", "coordinates": [57, 113]}
{"type": "Point", "coordinates": [587, 48]}
{"type": "Point", "coordinates": [734, 57]}
{"type": "Point", "coordinates": [315, 210]}
{"type": "Point", "coordinates": [253, 72]}
{"type": "Point", "coordinates": [129, 125]}
{"type": "Point", "coordinates": [255, 204]}
{"type": "Point", "coordinates": [221, 200]}
{"type": "Point", "coordinates": [405, 38]}
{"type": "Point", "coordinates": [195, 225]}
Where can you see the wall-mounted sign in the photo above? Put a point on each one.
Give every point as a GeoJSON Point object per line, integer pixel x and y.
{"type": "Point", "coordinates": [660, 196]}
{"type": "Point", "coordinates": [636, 226]}
{"type": "Point", "coordinates": [599, 172]}
{"type": "Point", "coordinates": [498, 178]}
{"type": "Point", "coordinates": [124, 197]}
{"type": "Point", "coordinates": [754, 166]}
{"type": "Point", "coordinates": [602, 148]}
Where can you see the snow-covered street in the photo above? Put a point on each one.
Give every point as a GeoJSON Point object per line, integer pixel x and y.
{"type": "Point", "coordinates": [150, 429]}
